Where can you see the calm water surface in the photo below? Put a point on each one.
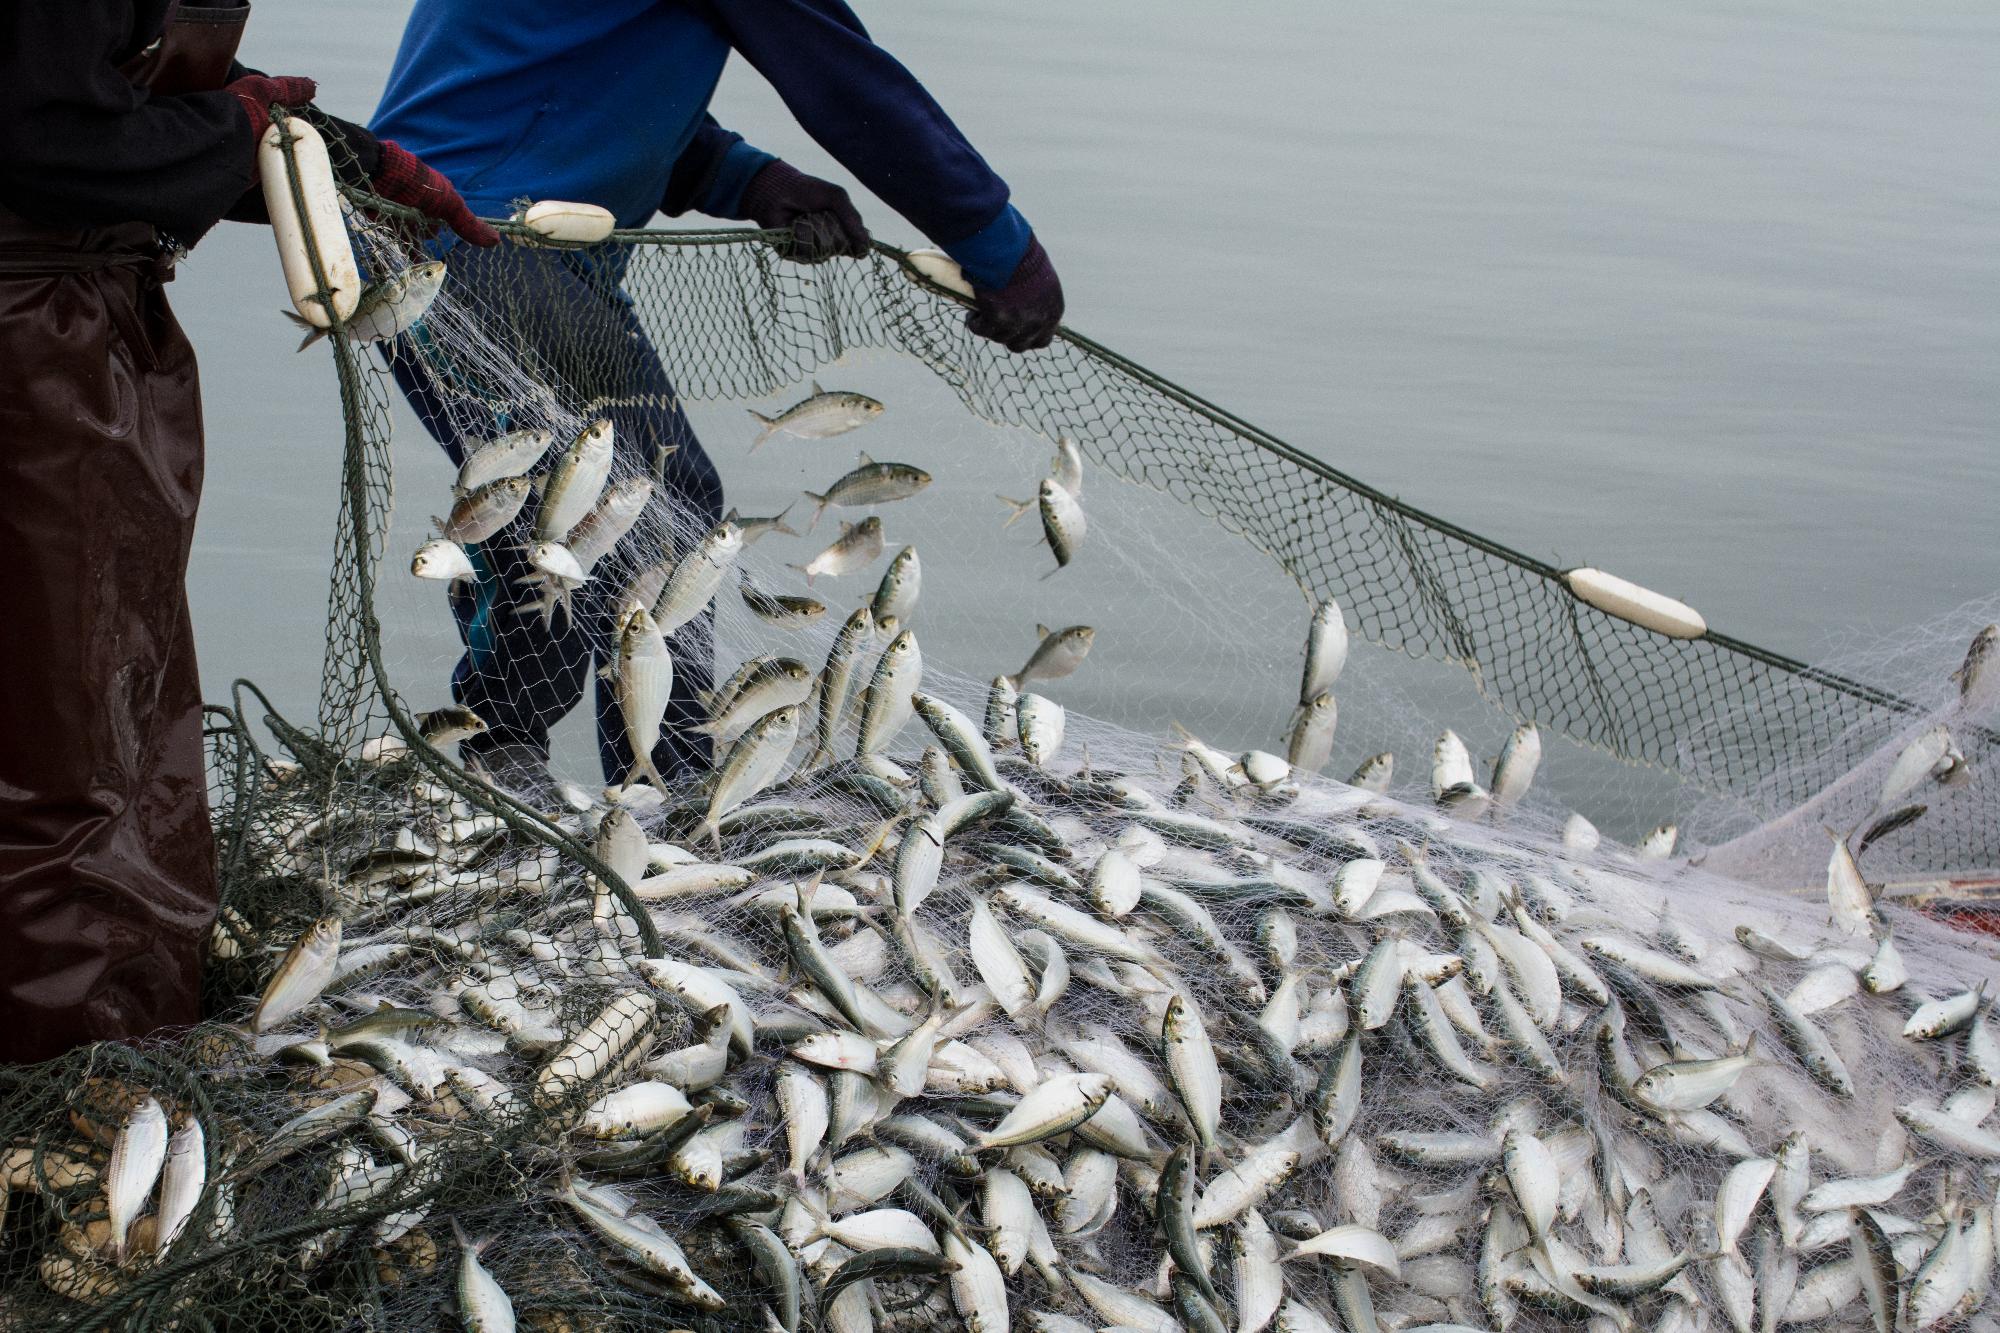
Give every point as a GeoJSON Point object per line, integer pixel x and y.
{"type": "Point", "coordinates": [1706, 296]}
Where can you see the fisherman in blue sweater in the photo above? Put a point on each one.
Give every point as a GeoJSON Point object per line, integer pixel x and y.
{"type": "Point", "coordinates": [607, 103]}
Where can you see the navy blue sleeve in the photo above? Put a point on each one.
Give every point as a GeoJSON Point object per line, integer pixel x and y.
{"type": "Point", "coordinates": [711, 172]}
{"type": "Point", "coordinates": [861, 105]}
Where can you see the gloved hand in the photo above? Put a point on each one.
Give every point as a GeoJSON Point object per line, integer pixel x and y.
{"type": "Point", "coordinates": [402, 178]}
{"type": "Point", "coordinates": [822, 221]}
{"type": "Point", "coordinates": [257, 92]}
{"type": "Point", "coordinates": [1024, 314]}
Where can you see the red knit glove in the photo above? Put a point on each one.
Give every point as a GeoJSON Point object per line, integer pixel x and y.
{"type": "Point", "coordinates": [257, 92]}
{"type": "Point", "coordinates": [403, 178]}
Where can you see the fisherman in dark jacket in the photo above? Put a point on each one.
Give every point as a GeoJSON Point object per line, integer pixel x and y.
{"type": "Point", "coordinates": [127, 131]}
{"type": "Point", "coordinates": [607, 103]}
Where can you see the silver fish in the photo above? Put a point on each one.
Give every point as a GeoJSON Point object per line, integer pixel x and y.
{"type": "Point", "coordinates": [871, 483]}
{"type": "Point", "coordinates": [137, 1155]}
{"type": "Point", "coordinates": [780, 610]}
{"type": "Point", "coordinates": [1310, 744]}
{"type": "Point", "coordinates": [386, 307]}
{"type": "Point", "coordinates": [754, 528]}
{"type": "Point", "coordinates": [1979, 674]}
{"type": "Point", "coordinates": [442, 560]}
{"type": "Point", "coordinates": [751, 765]}
{"type": "Point", "coordinates": [896, 596]}
{"type": "Point", "coordinates": [1326, 650]}
{"type": "Point", "coordinates": [642, 681]}
{"type": "Point", "coordinates": [819, 416]}
{"type": "Point", "coordinates": [511, 455]}
{"type": "Point", "coordinates": [698, 577]}
{"type": "Point", "coordinates": [859, 545]}
{"type": "Point", "coordinates": [574, 483]}
{"type": "Point", "coordinates": [1514, 770]}
{"type": "Point", "coordinates": [887, 703]}
{"type": "Point", "coordinates": [836, 681]}
{"type": "Point", "coordinates": [482, 513]}
{"type": "Point", "coordinates": [1058, 653]}
{"type": "Point", "coordinates": [306, 970]}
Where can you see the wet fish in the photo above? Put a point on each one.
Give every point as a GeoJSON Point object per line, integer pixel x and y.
{"type": "Point", "coordinates": [481, 514]}
{"type": "Point", "coordinates": [574, 482]}
{"type": "Point", "coordinates": [511, 455]}
{"type": "Point", "coordinates": [1058, 653]}
{"type": "Point", "coordinates": [386, 307]}
{"type": "Point", "coordinates": [870, 483]}
{"type": "Point", "coordinates": [858, 546]}
{"type": "Point", "coordinates": [818, 416]}
{"type": "Point", "coordinates": [698, 577]}
{"type": "Point", "coordinates": [443, 560]}
{"type": "Point", "coordinates": [896, 596]}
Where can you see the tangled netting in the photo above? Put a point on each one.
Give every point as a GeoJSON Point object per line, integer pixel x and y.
{"type": "Point", "coordinates": [970, 1008]}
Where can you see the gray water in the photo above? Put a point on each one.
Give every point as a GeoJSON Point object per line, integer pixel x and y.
{"type": "Point", "coordinates": [1707, 298]}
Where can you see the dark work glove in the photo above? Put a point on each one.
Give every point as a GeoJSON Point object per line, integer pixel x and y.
{"type": "Point", "coordinates": [257, 93]}
{"type": "Point", "coordinates": [402, 178]}
{"type": "Point", "coordinates": [1025, 313]}
{"type": "Point", "coordinates": [818, 213]}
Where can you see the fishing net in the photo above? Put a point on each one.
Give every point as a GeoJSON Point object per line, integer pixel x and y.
{"type": "Point", "coordinates": [666, 1061]}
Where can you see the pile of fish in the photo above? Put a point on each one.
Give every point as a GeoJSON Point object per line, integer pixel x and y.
{"type": "Point", "coordinates": [983, 1037]}
{"type": "Point", "coordinates": [913, 1017]}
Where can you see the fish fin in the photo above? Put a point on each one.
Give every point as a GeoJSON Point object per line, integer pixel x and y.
{"type": "Point", "coordinates": [439, 524]}
{"type": "Point", "coordinates": [768, 421]}
{"type": "Point", "coordinates": [1013, 682]}
{"type": "Point", "coordinates": [1042, 631]}
{"type": "Point", "coordinates": [803, 570]}
{"type": "Point", "coordinates": [313, 331]}
{"type": "Point", "coordinates": [778, 524]}
{"type": "Point", "coordinates": [816, 390]}
{"type": "Point", "coordinates": [845, 527]}
{"type": "Point", "coordinates": [866, 461]}
{"type": "Point", "coordinates": [731, 516]}
{"type": "Point", "coordinates": [1051, 574]}
{"type": "Point", "coordinates": [1019, 507]}
{"type": "Point", "coordinates": [819, 507]}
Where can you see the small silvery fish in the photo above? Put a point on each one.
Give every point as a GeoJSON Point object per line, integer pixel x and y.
{"type": "Point", "coordinates": [556, 560]}
{"type": "Point", "coordinates": [1979, 674]}
{"type": "Point", "coordinates": [1063, 523]}
{"type": "Point", "coordinates": [1514, 770]}
{"type": "Point", "coordinates": [386, 307]}
{"type": "Point", "coordinates": [1042, 723]}
{"type": "Point", "coordinates": [482, 513]}
{"type": "Point", "coordinates": [442, 560]}
{"type": "Point", "coordinates": [137, 1155]}
{"type": "Point", "coordinates": [449, 725]}
{"type": "Point", "coordinates": [1310, 743]}
{"type": "Point", "coordinates": [1326, 651]}
{"type": "Point", "coordinates": [888, 702]}
{"type": "Point", "coordinates": [1375, 773]}
{"type": "Point", "coordinates": [751, 765]}
{"type": "Point", "coordinates": [754, 528]}
{"type": "Point", "coordinates": [698, 577]}
{"type": "Point", "coordinates": [306, 970]}
{"type": "Point", "coordinates": [483, 1307]}
{"type": "Point", "coordinates": [896, 596]}
{"type": "Point", "coordinates": [1066, 467]}
{"type": "Point", "coordinates": [1057, 653]}
{"type": "Point", "coordinates": [1917, 761]}
{"type": "Point", "coordinates": [642, 678]}
{"type": "Point", "coordinates": [781, 610]}
{"type": "Point", "coordinates": [871, 483]}
{"type": "Point", "coordinates": [511, 455]}
{"type": "Point", "coordinates": [617, 510]}
{"type": "Point", "coordinates": [181, 1182]}
{"type": "Point", "coordinates": [859, 545]}
{"type": "Point", "coordinates": [820, 416]}
{"type": "Point", "coordinates": [836, 681]}
{"type": "Point", "coordinates": [573, 485]}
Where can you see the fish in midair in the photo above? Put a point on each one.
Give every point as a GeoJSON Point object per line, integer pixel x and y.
{"type": "Point", "coordinates": [1326, 651]}
{"type": "Point", "coordinates": [754, 528]}
{"type": "Point", "coordinates": [1066, 468]}
{"type": "Point", "coordinates": [1063, 522]}
{"type": "Point", "coordinates": [780, 610]}
{"type": "Point", "coordinates": [572, 486]}
{"type": "Point", "coordinates": [480, 514]}
{"type": "Point", "coordinates": [870, 483]}
{"type": "Point", "coordinates": [1978, 676]}
{"type": "Point", "coordinates": [511, 455]}
{"type": "Point", "coordinates": [386, 307]}
{"type": "Point", "coordinates": [859, 545]}
{"type": "Point", "coordinates": [1057, 653]}
{"type": "Point", "coordinates": [642, 679]}
{"type": "Point", "coordinates": [896, 596]}
{"type": "Point", "coordinates": [819, 416]}
{"type": "Point", "coordinates": [1514, 770]}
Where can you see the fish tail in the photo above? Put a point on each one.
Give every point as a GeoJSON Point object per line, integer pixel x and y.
{"type": "Point", "coordinates": [778, 524]}
{"type": "Point", "coordinates": [819, 507]}
{"type": "Point", "coordinates": [1019, 507]}
{"type": "Point", "coordinates": [313, 331]}
{"type": "Point", "coordinates": [803, 570]}
{"type": "Point", "coordinates": [770, 425]}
